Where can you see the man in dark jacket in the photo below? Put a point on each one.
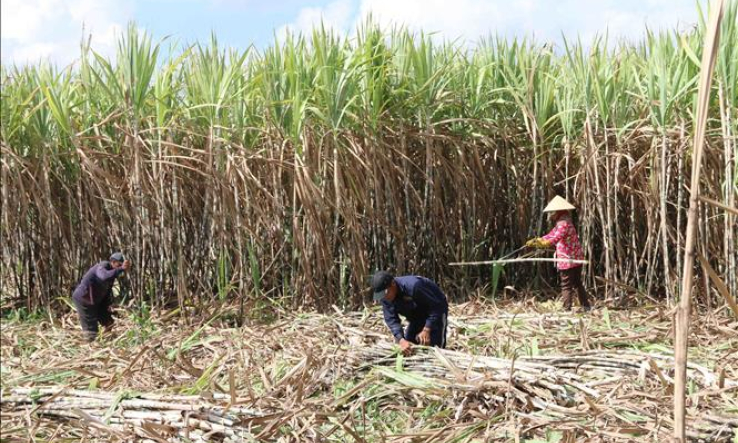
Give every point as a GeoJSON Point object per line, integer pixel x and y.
{"type": "Point", "coordinates": [94, 294]}
{"type": "Point", "coordinates": [420, 301]}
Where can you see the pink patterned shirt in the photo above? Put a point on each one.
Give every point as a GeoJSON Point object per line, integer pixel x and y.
{"type": "Point", "coordinates": [564, 236]}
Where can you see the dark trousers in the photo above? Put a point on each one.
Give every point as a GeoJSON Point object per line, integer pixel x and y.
{"type": "Point", "coordinates": [92, 315]}
{"type": "Point", "coordinates": [438, 331]}
{"type": "Point", "coordinates": [571, 284]}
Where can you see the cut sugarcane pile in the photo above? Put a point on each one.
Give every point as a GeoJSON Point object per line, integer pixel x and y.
{"type": "Point", "coordinates": [310, 377]}
{"type": "Point", "coordinates": [586, 385]}
{"type": "Point", "coordinates": [153, 417]}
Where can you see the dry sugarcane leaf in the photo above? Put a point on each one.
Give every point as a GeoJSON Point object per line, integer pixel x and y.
{"type": "Point", "coordinates": [719, 285]}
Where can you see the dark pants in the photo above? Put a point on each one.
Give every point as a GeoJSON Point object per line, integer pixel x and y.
{"type": "Point", "coordinates": [571, 284]}
{"type": "Point", "coordinates": [92, 315]}
{"type": "Point", "coordinates": [438, 331]}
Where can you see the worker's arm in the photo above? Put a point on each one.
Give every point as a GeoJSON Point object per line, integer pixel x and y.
{"type": "Point", "coordinates": [392, 320]}
{"type": "Point", "coordinates": [557, 233]}
{"type": "Point", "coordinates": [104, 275]}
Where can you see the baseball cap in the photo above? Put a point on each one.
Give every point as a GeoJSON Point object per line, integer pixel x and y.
{"type": "Point", "coordinates": [380, 282]}
{"type": "Point", "coordinates": [117, 256]}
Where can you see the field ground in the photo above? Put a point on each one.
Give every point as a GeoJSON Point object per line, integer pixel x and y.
{"type": "Point", "coordinates": [513, 372]}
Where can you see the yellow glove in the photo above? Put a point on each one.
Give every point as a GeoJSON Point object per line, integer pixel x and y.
{"type": "Point", "coordinates": [533, 243]}
{"type": "Point", "coordinates": [538, 243]}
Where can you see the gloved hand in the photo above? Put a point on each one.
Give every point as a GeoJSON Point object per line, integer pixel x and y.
{"type": "Point", "coordinates": [538, 243]}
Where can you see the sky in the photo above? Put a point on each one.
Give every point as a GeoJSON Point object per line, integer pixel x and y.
{"type": "Point", "coordinates": [32, 30]}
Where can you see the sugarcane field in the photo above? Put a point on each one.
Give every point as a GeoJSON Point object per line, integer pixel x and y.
{"type": "Point", "coordinates": [408, 221]}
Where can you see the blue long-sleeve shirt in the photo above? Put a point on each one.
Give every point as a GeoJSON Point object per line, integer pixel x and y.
{"type": "Point", "coordinates": [419, 300]}
{"type": "Point", "coordinates": [97, 284]}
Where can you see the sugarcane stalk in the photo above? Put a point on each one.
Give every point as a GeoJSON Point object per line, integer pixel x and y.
{"type": "Point", "coordinates": [683, 311]}
{"type": "Point", "coordinates": [520, 260]}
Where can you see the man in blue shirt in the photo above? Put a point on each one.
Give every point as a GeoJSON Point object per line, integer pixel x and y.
{"type": "Point", "coordinates": [420, 301]}
{"type": "Point", "coordinates": [93, 296]}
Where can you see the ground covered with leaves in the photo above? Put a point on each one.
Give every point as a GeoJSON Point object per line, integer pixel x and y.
{"type": "Point", "coordinates": [513, 372]}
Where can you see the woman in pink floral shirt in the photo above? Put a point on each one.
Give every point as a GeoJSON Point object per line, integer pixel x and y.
{"type": "Point", "coordinates": [564, 237]}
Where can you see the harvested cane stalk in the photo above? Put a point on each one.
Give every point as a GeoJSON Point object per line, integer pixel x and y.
{"type": "Point", "coordinates": [519, 260]}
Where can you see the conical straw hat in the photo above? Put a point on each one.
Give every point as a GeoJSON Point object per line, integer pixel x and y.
{"type": "Point", "coordinates": [558, 204]}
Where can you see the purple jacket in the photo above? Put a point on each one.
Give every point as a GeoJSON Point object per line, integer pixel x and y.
{"type": "Point", "coordinates": [97, 284]}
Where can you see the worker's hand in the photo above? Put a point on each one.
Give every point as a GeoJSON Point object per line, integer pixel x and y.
{"type": "Point", "coordinates": [126, 265]}
{"type": "Point", "coordinates": [406, 347]}
{"type": "Point", "coordinates": [424, 337]}
{"type": "Point", "coordinates": [538, 243]}
{"type": "Point", "coordinates": [533, 243]}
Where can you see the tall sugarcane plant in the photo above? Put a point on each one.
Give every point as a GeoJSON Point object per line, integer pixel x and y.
{"type": "Point", "coordinates": [295, 170]}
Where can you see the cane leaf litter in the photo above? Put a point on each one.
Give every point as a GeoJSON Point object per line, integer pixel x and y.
{"type": "Point", "coordinates": [517, 372]}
